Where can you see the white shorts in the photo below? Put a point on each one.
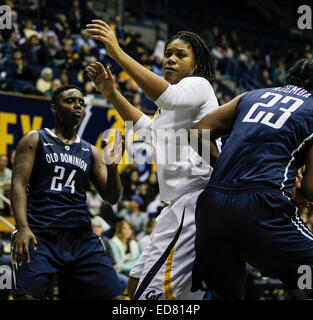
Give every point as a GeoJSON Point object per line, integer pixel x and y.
{"type": "Point", "coordinates": [165, 266]}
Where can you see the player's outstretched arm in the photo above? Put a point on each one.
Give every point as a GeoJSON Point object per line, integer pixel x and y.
{"type": "Point", "coordinates": [104, 172]}
{"type": "Point", "coordinates": [23, 166]}
{"type": "Point", "coordinates": [104, 82]}
{"type": "Point", "coordinates": [149, 82]}
{"type": "Point", "coordinates": [220, 123]}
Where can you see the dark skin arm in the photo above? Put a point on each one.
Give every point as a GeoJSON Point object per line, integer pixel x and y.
{"type": "Point", "coordinates": [23, 166]}
{"type": "Point", "coordinates": [132, 286]}
{"type": "Point", "coordinates": [104, 172]}
{"type": "Point", "coordinates": [304, 195]}
{"type": "Point", "coordinates": [220, 123]}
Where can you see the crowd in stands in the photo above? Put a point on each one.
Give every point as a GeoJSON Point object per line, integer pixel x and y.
{"type": "Point", "coordinates": [126, 227]}
{"type": "Point", "coordinates": [39, 55]}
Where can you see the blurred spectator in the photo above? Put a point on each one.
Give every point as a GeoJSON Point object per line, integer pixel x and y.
{"type": "Point", "coordinates": [5, 181]}
{"type": "Point", "coordinates": [10, 44]}
{"type": "Point", "coordinates": [47, 33]}
{"type": "Point", "coordinates": [31, 11]}
{"type": "Point", "coordinates": [86, 56]}
{"type": "Point", "coordinates": [89, 93]}
{"type": "Point", "coordinates": [144, 194]}
{"type": "Point", "coordinates": [61, 24]}
{"type": "Point", "coordinates": [29, 29]}
{"type": "Point", "coordinates": [97, 228]}
{"type": "Point", "coordinates": [89, 13]}
{"type": "Point", "coordinates": [33, 51]}
{"type": "Point", "coordinates": [103, 224]}
{"type": "Point", "coordinates": [130, 183]}
{"type": "Point", "coordinates": [108, 215]}
{"type": "Point", "coordinates": [144, 241]}
{"type": "Point", "coordinates": [44, 82]}
{"type": "Point", "coordinates": [74, 7]}
{"type": "Point", "coordinates": [308, 51]}
{"type": "Point", "coordinates": [280, 70]}
{"type": "Point", "coordinates": [84, 39]}
{"type": "Point", "coordinates": [155, 207]}
{"type": "Point", "coordinates": [279, 80]}
{"type": "Point", "coordinates": [18, 68]}
{"type": "Point", "coordinates": [129, 91]}
{"type": "Point", "coordinates": [75, 22]}
{"type": "Point", "coordinates": [122, 35]}
{"type": "Point", "coordinates": [94, 201]}
{"type": "Point", "coordinates": [145, 60]}
{"type": "Point", "coordinates": [153, 184]}
{"type": "Point", "coordinates": [64, 78]}
{"type": "Point", "coordinates": [50, 52]}
{"type": "Point", "coordinates": [157, 66]}
{"type": "Point", "coordinates": [70, 57]}
{"type": "Point", "coordinates": [124, 77]}
{"type": "Point", "coordinates": [55, 84]}
{"type": "Point", "coordinates": [124, 248]}
{"type": "Point", "coordinates": [159, 49]}
{"type": "Point", "coordinates": [137, 218]}
{"type": "Point", "coordinates": [265, 80]}
{"type": "Point", "coordinates": [127, 170]}
{"type": "Point", "coordinates": [15, 24]}
{"type": "Point", "coordinates": [137, 47]}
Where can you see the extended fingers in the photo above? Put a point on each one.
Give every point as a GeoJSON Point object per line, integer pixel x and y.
{"type": "Point", "coordinates": [101, 23]}
{"type": "Point", "coordinates": [95, 69]}
{"type": "Point", "coordinates": [26, 250]}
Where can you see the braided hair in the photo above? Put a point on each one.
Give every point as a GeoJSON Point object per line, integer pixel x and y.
{"type": "Point", "coordinates": [301, 74]}
{"type": "Point", "coordinates": [203, 57]}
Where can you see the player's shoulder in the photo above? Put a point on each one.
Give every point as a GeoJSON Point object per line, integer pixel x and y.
{"type": "Point", "coordinates": [32, 135]}
{"type": "Point", "coordinates": [195, 80]}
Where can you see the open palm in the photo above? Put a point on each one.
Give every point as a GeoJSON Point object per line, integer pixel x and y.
{"type": "Point", "coordinates": [102, 78]}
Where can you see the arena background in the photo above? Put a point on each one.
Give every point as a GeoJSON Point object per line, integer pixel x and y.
{"type": "Point", "coordinates": [253, 43]}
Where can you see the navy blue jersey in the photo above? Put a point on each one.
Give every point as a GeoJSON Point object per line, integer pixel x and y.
{"type": "Point", "coordinates": [270, 139]}
{"type": "Point", "coordinates": [57, 188]}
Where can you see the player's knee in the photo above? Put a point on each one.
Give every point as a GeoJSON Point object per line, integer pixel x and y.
{"type": "Point", "coordinates": [132, 286]}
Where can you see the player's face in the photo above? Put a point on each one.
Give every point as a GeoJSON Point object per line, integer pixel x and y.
{"type": "Point", "coordinates": [179, 61]}
{"type": "Point", "coordinates": [71, 108]}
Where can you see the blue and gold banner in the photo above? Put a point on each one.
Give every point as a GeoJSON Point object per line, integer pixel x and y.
{"type": "Point", "coordinates": [20, 114]}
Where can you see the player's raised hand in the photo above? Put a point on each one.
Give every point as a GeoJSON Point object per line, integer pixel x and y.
{"type": "Point", "coordinates": [102, 78]}
{"type": "Point", "coordinates": [113, 152]}
{"type": "Point", "coordinates": [100, 30]}
{"type": "Point", "coordinates": [21, 245]}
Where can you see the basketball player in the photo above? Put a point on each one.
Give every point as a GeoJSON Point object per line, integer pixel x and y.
{"type": "Point", "coordinates": [246, 214]}
{"type": "Point", "coordinates": [54, 232]}
{"type": "Point", "coordinates": [184, 96]}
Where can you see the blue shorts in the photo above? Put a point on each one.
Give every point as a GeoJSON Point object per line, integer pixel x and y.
{"type": "Point", "coordinates": [78, 257]}
{"type": "Point", "coordinates": [248, 225]}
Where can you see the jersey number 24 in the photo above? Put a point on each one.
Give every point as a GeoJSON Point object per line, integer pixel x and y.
{"type": "Point", "coordinates": [56, 183]}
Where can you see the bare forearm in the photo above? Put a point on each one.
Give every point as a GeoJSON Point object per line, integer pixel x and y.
{"type": "Point", "coordinates": [19, 205]}
{"type": "Point", "coordinates": [113, 184]}
{"type": "Point", "coordinates": [125, 109]}
{"type": "Point", "coordinates": [149, 82]}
